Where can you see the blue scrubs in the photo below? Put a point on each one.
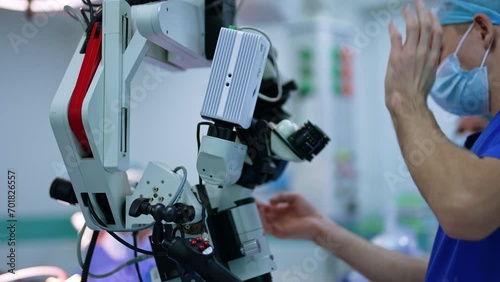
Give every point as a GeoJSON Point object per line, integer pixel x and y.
{"type": "Point", "coordinates": [462, 261]}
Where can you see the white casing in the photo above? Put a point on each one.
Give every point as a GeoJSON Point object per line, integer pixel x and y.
{"type": "Point", "coordinates": [249, 228]}
{"type": "Point", "coordinates": [220, 162]}
{"type": "Point", "coordinates": [176, 26]}
{"type": "Point", "coordinates": [105, 110]}
{"type": "Point", "coordinates": [115, 105]}
{"type": "Point", "coordinates": [88, 175]}
{"type": "Point", "coordinates": [235, 78]}
{"type": "Point", "coordinates": [159, 183]}
{"type": "Point", "coordinates": [105, 117]}
{"type": "Point", "coordinates": [285, 128]}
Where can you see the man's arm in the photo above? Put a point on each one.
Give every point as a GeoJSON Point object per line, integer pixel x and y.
{"type": "Point", "coordinates": [291, 216]}
{"type": "Point", "coordinates": [461, 189]}
{"type": "Point", "coordinates": [374, 262]}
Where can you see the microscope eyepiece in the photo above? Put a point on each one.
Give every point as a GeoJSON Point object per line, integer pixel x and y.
{"type": "Point", "coordinates": [62, 190]}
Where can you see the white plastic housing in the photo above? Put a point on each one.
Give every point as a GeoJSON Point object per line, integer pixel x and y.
{"type": "Point", "coordinates": [159, 183]}
{"type": "Point", "coordinates": [105, 109]}
{"type": "Point", "coordinates": [257, 259]}
{"type": "Point", "coordinates": [178, 27]}
{"type": "Point", "coordinates": [251, 232]}
{"type": "Point", "coordinates": [88, 175]}
{"type": "Point", "coordinates": [285, 128]}
{"type": "Point", "coordinates": [220, 162]}
{"type": "Point", "coordinates": [237, 70]}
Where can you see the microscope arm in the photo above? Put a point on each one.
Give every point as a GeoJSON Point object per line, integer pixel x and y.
{"type": "Point", "coordinates": [96, 150]}
{"type": "Point", "coordinates": [90, 112]}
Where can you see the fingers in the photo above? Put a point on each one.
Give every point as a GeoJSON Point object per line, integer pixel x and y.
{"type": "Point", "coordinates": [472, 124]}
{"type": "Point", "coordinates": [418, 33]}
{"type": "Point", "coordinates": [412, 30]}
{"type": "Point", "coordinates": [425, 25]}
{"type": "Point", "coordinates": [412, 70]}
{"type": "Point", "coordinates": [263, 216]}
{"type": "Point", "coordinates": [433, 58]}
{"type": "Point", "coordinates": [272, 210]}
{"type": "Point", "coordinates": [280, 231]}
{"type": "Point", "coordinates": [284, 198]}
{"type": "Point", "coordinates": [437, 37]}
{"type": "Point", "coordinates": [269, 223]}
{"type": "Point", "coordinates": [461, 128]}
{"type": "Point", "coordinates": [396, 40]}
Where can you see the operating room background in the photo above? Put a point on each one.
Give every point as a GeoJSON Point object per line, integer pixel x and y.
{"type": "Point", "coordinates": [164, 124]}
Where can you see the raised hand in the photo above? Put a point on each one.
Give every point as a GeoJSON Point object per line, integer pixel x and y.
{"type": "Point", "coordinates": [411, 71]}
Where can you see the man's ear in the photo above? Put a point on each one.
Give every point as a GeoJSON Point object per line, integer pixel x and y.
{"type": "Point", "coordinates": [485, 25]}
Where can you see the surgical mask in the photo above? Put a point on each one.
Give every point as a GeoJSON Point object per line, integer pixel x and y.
{"type": "Point", "coordinates": [460, 91]}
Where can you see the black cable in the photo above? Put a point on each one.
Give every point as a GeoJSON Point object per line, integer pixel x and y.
{"type": "Point", "coordinates": [198, 129]}
{"type": "Point", "coordinates": [127, 244]}
{"type": "Point", "coordinates": [134, 235]}
{"type": "Point", "coordinates": [203, 218]}
{"type": "Point", "coordinates": [183, 235]}
{"type": "Point", "coordinates": [84, 15]}
{"type": "Point", "coordinates": [203, 203]}
{"type": "Point", "coordinates": [198, 142]}
{"type": "Point", "coordinates": [88, 256]}
{"type": "Point", "coordinates": [95, 16]}
{"type": "Point", "coordinates": [91, 8]}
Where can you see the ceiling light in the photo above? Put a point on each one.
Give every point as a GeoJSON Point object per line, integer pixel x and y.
{"type": "Point", "coordinates": [38, 5]}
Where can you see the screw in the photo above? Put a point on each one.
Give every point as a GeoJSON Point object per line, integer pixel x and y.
{"type": "Point", "coordinates": [187, 226]}
{"type": "Point", "coordinates": [160, 199]}
{"type": "Point", "coordinates": [155, 189]}
{"type": "Point", "coordinates": [155, 195]}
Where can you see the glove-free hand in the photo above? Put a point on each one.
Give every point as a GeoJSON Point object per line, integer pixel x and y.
{"type": "Point", "coordinates": [291, 216]}
{"type": "Point", "coordinates": [411, 71]}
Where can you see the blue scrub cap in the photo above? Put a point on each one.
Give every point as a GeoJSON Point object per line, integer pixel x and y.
{"type": "Point", "coordinates": [461, 11]}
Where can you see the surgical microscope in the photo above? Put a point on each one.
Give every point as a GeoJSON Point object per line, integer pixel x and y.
{"type": "Point", "coordinates": [210, 231]}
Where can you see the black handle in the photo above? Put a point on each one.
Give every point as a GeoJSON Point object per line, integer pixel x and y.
{"type": "Point", "coordinates": [205, 264]}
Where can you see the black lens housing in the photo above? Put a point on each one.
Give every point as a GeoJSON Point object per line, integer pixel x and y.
{"type": "Point", "coordinates": [308, 141]}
